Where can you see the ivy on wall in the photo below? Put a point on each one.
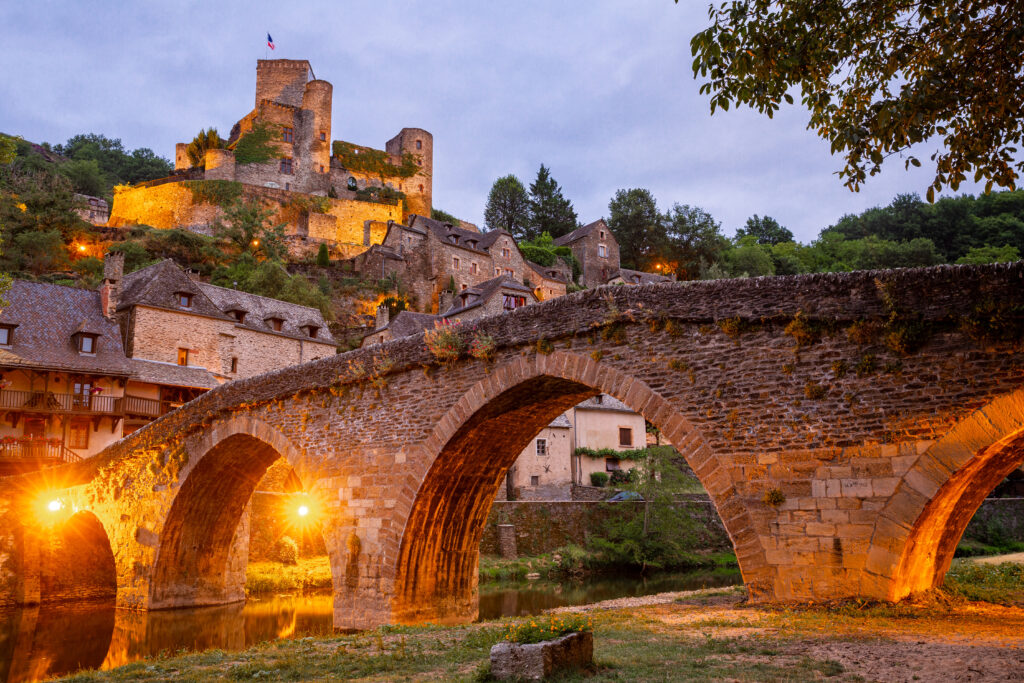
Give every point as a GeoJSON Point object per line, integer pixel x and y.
{"type": "Point", "coordinates": [373, 161]}
{"type": "Point", "coordinates": [257, 146]}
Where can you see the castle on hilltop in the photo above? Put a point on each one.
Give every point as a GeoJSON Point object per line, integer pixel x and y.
{"type": "Point", "coordinates": [281, 154]}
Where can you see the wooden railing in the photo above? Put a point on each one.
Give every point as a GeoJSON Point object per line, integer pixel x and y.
{"type": "Point", "coordinates": [36, 449]}
{"type": "Point", "coordinates": [147, 407]}
{"type": "Point", "coordinates": [49, 402]}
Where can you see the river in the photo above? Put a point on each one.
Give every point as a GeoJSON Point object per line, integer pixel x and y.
{"type": "Point", "coordinates": [42, 642]}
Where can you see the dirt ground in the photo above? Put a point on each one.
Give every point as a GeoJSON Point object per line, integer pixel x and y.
{"type": "Point", "coordinates": [1017, 558]}
{"type": "Point", "coordinates": [954, 642]}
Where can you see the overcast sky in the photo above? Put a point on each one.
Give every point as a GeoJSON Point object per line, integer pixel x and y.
{"type": "Point", "coordinates": [599, 91]}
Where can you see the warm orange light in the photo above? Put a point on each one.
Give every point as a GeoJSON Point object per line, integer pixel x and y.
{"type": "Point", "coordinates": [255, 243]}
{"type": "Point", "coordinates": [55, 505]}
{"type": "Point", "coordinates": [81, 248]}
{"type": "Point", "coordinates": [303, 510]}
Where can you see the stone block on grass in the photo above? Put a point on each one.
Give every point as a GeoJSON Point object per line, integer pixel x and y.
{"type": "Point", "coordinates": [536, 661]}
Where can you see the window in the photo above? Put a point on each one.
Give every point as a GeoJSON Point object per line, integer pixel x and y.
{"type": "Point", "coordinates": [599, 399]}
{"type": "Point", "coordinates": [421, 187]}
{"type": "Point", "coordinates": [239, 315]}
{"type": "Point", "coordinates": [419, 144]}
{"type": "Point", "coordinates": [81, 393]}
{"type": "Point", "coordinates": [612, 465]}
{"type": "Point", "coordinates": [534, 480]}
{"type": "Point", "coordinates": [287, 134]}
{"type": "Point", "coordinates": [6, 335]}
{"type": "Point", "coordinates": [602, 251]}
{"type": "Point", "coordinates": [312, 331]}
{"type": "Point", "coordinates": [625, 436]}
{"type": "Point", "coordinates": [182, 356]}
{"type": "Point", "coordinates": [465, 286]}
{"type": "Point", "coordinates": [184, 299]}
{"type": "Point", "coordinates": [323, 135]}
{"type": "Point", "coordinates": [511, 273]}
{"type": "Point", "coordinates": [78, 435]}
{"type": "Point", "coordinates": [234, 365]}
{"type": "Point", "coordinates": [510, 301]}
{"type": "Point", "coordinates": [87, 343]}
{"type": "Point", "coordinates": [286, 165]}
{"type": "Point", "coordinates": [497, 271]}
{"type": "Point", "coordinates": [505, 253]}
{"type": "Point", "coordinates": [275, 324]}
{"type": "Point", "coordinates": [352, 184]}
{"type": "Point", "coordinates": [455, 262]}
{"type": "Point", "coordinates": [321, 168]}
{"type": "Point", "coordinates": [542, 446]}
{"type": "Point", "coordinates": [602, 234]}
{"type": "Point", "coordinates": [472, 268]}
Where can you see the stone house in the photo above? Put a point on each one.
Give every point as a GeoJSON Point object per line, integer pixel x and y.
{"type": "Point", "coordinates": [492, 297]}
{"type": "Point", "coordinates": [549, 466]}
{"type": "Point", "coordinates": [82, 368]}
{"type": "Point", "coordinates": [93, 210]}
{"type": "Point", "coordinates": [597, 250]}
{"type": "Point", "coordinates": [625, 276]}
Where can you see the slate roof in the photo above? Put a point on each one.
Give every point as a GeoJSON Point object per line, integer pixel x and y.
{"type": "Point", "coordinates": [156, 372]}
{"type": "Point", "coordinates": [607, 403]}
{"type": "Point", "coordinates": [259, 308]}
{"type": "Point", "coordinates": [580, 232]}
{"type": "Point", "coordinates": [637, 277]}
{"type": "Point", "coordinates": [560, 422]}
{"type": "Point", "coordinates": [158, 285]}
{"type": "Point", "coordinates": [408, 323]}
{"type": "Point", "coordinates": [482, 293]}
{"type": "Point", "coordinates": [547, 272]}
{"type": "Point", "coordinates": [47, 316]}
{"type": "Point", "coordinates": [481, 241]}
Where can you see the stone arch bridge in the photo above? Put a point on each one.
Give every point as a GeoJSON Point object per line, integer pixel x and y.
{"type": "Point", "coordinates": [846, 426]}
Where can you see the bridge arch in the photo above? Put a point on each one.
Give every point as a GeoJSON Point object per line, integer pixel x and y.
{"type": "Point", "coordinates": [481, 436]}
{"type": "Point", "coordinates": [199, 560]}
{"type": "Point", "coordinates": [921, 525]}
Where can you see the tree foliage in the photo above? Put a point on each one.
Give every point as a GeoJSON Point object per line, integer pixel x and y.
{"type": "Point", "coordinates": [97, 162]}
{"type": "Point", "coordinates": [693, 241]}
{"type": "Point", "coordinates": [550, 211]}
{"type": "Point", "coordinates": [766, 230]}
{"type": "Point", "coordinates": [508, 208]}
{"type": "Point", "coordinates": [204, 140]}
{"type": "Point", "coordinates": [879, 76]}
{"type": "Point", "coordinates": [247, 225]}
{"type": "Point", "coordinates": [635, 222]}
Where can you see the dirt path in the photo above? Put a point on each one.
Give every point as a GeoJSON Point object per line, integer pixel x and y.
{"type": "Point", "coordinates": [959, 642]}
{"type": "Point", "coordinates": [1017, 558]}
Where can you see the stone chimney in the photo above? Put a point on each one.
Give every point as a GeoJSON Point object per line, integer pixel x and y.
{"type": "Point", "coordinates": [110, 289]}
{"type": "Point", "coordinates": [383, 317]}
{"type": "Point", "coordinates": [445, 300]}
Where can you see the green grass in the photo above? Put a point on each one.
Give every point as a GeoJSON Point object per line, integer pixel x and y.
{"type": "Point", "coordinates": [972, 547]}
{"type": "Point", "coordinates": [1002, 584]}
{"type": "Point", "coordinates": [310, 574]}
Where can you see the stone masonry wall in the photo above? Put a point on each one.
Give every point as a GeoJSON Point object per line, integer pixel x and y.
{"type": "Point", "coordinates": [406, 454]}
{"type": "Point", "coordinates": [542, 527]}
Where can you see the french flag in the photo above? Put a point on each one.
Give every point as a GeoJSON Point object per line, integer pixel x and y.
{"type": "Point", "coordinates": [270, 42]}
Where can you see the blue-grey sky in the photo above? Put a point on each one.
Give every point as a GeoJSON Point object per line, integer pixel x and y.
{"type": "Point", "coordinates": [599, 91]}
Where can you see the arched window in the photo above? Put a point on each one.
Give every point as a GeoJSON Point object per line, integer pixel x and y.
{"type": "Point", "coordinates": [352, 183]}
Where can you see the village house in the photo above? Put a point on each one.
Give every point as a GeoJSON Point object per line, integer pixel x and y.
{"type": "Point", "coordinates": [558, 458]}
{"type": "Point", "coordinates": [597, 250]}
{"type": "Point", "coordinates": [82, 368]}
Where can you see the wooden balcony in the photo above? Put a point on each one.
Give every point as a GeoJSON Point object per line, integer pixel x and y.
{"type": "Point", "coordinates": [27, 455]}
{"type": "Point", "coordinates": [49, 402]}
{"type": "Point", "coordinates": [152, 408]}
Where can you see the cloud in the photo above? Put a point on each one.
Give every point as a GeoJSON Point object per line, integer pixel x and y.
{"type": "Point", "coordinates": [601, 92]}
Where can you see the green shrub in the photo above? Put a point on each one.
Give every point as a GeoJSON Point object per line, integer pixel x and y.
{"type": "Point", "coordinates": [538, 629]}
{"type": "Point", "coordinates": [286, 550]}
{"type": "Point", "coordinates": [323, 256]}
{"type": "Point", "coordinates": [598, 478]}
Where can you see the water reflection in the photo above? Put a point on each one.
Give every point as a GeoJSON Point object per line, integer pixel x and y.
{"type": "Point", "coordinates": [51, 640]}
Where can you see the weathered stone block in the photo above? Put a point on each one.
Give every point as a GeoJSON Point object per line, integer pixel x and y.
{"type": "Point", "coordinates": [537, 661]}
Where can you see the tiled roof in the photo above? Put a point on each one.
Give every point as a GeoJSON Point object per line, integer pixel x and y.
{"type": "Point", "coordinates": [47, 316]}
{"type": "Point", "coordinates": [579, 232]}
{"type": "Point", "coordinates": [261, 308]}
{"type": "Point", "coordinates": [482, 293]}
{"type": "Point", "coordinates": [606, 403]}
{"type": "Point", "coordinates": [637, 277]}
{"type": "Point", "coordinates": [156, 372]}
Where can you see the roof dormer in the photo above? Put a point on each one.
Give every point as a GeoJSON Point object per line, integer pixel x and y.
{"type": "Point", "coordinates": [184, 299]}
{"type": "Point", "coordinates": [275, 322]}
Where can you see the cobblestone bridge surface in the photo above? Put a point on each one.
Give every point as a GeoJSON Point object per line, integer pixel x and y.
{"type": "Point", "coordinates": [846, 426]}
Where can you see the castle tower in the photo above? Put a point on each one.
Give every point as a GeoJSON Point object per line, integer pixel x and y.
{"type": "Point", "coordinates": [316, 98]}
{"type": "Point", "coordinates": [418, 189]}
{"type": "Point", "coordinates": [282, 80]}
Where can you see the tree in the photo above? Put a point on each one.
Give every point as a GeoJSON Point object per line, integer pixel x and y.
{"type": "Point", "coordinates": [879, 76]}
{"type": "Point", "coordinates": [982, 255]}
{"type": "Point", "coordinates": [248, 227]}
{"type": "Point", "coordinates": [8, 149]}
{"type": "Point", "coordinates": [694, 241]}
{"type": "Point", "coordinates": [443, 216]}
{"type": "Point", "coordinates": [204, 140]}
{"type": "Point", "coordinates": [766, 229]}
{"type": "Point", "coordinates": [550, 211]}
{"type": "Point", "coordinates": [508, 208]}
{"type": "Point", "coordinates": [749, 259]}
{"type": "Point", "coordinates": [634, 220]}
{"type": "Point", "coordinates": [323, 256]}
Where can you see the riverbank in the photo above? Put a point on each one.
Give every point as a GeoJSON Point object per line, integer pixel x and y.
{"type": "Point", "coordinates": [699, 635]}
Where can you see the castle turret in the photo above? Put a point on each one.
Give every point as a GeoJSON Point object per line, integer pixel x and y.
{"type": "Point", "coordinates": [181, 160]}
{"type": "Point", "coordinates": [282, 80]}
{"type": "Point", "coordinates": [317, 99]}
{"type": "Point", "coordinates": [418, 188]}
